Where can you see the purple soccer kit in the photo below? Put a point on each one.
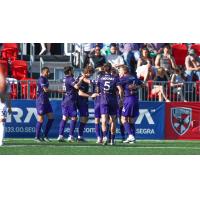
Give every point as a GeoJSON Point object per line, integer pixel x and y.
{"type": "Point", "coordinates": [43, 106]}
{"type": "Point", "coordinates": [130, 104]}
{"type": "Point", "coordinates": [69, 104]}
{"type": "Point", "coordinates": [107, 85]}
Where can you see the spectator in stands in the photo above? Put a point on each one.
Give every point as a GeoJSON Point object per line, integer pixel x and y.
{"type": "Point", "coordinates": [46, 49]}
{"type": "Point", "coordinates": [97, 60]}
{"type": "Point", "coordinates": [154, 48]}
{"type": "Point", "coordinates": [145, 66]}
{"type": "Point", "coordinates": [114, 59]}
{"type": "Point", "coordinates": [177, 83]}
{"type": "Point", "coordinates": [166, 60]}
{"type": "Point", "coordinates": [134, 47]}
{"type": "Point", "coordinates": [88, 48]}
{"type": "Point", "coordinates": [192, 64]}
{"type": "Point", "coordinates": [128, 56]}
{"type": "Point", "coordinates": [159, 84]}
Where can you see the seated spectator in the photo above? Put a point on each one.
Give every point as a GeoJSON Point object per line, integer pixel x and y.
{"type": "Point", "coordinates": [97, 60]}
{"type": "Point", "coordinates": [114, 59]}
{"type": "Point", "coordinates": [192, 64]}
{"type": "Point", "coordinates": [154, 48]}
{"type": "Point", "coordinates": [177, 83]}
{"type": "Point", "coordinates": [158, 88]}
{"type": "Point", "coordinates": [145, 66]}
{"type": "Point", "coordinates": [166, 60]}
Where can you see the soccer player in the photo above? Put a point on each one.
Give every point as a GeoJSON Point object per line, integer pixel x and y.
{"type": "Point", "coordinates": [5, 103]}
{"type": "Point", "coordinates": [43, 105]}
{"type": "Point", "coordinates": [69, 103]}
{"type": "Point", "coordinates": [107, 86]}
{"type": "Point", "coordinates": [130, 110]}
{"type": "Point", "coordinates": [82, 103]}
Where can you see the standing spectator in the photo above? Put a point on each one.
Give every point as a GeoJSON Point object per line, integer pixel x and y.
{"type": "Point", "coordinates": [87, 49]}
{"type": "Point", "coordinates": [97, 60]}
{"type": "Point", "coordinates": [115, 60]}
{"type": "Point", "coordinates": [129, 57]}
{"type": "Point", "coordinates": [177, 83]}
{"type": "Point", "coordinates": [192, 64]}
{"type": "Point", "coordinates": [145, 66]}
{"type": "Point", "coordinates": [166, 60]}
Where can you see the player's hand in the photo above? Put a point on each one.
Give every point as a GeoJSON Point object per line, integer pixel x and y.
{"type": "Point", "coordinates": [82, 77]}
{"type": "Point", "coordinates": [132, 87]}
{"type": "Point", "coordinates": [94, 95]}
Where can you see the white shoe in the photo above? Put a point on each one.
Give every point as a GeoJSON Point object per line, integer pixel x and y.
{"type": "Point", "coordinates": [70, 139]}
{"type": "Point", "coordinates": [98, 140]}
{"type": "Point", "coordinates": [61, 138]}
{"type": "Point", "coordinates": [130, 139]}
{"type": "Point", "coordinates": [105, 140]}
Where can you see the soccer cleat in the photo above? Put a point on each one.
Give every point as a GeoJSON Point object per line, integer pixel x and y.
{"type": "Point", "coordinates": [99, 140]}
{"type": "Point", "coordinates": [61, 138]}
{"type": "Point", "coordinates": [130, 139]}
{"type": "Point", "coordinates": [70, 139]}
{"type": "Point", "coordinates": [38, 140]}
{"type": "Point", "coordinates": [46, 139]}
{"type": "Point", "coordinates": [81, 139]}
{"type": "Point", "coordinates": [105, 140]}
{"type": "Point", "coordinates": [112, 142]}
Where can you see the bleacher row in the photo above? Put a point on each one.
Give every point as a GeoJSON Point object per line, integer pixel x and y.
{"type": "Point", "coordinates": [26, 87]}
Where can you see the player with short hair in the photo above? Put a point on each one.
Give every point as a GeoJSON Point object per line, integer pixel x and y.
{"type": "Point", "coordinates": [82, 103]}
{"type": "Point", "coordinates": [107, 86]}
{"type": "Point", "coordinates": [130, 110]}
{"type": "Point", "coordinates": [43, 105]}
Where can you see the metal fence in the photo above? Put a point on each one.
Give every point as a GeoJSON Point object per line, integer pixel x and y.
{"type": "Point", "coordinates": [152, 91]}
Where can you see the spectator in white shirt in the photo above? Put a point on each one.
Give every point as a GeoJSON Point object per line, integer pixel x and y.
{"type": "Point", "coordinates": [115, 60]}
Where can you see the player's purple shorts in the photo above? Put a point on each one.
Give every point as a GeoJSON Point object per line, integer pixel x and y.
{"type": "Point", "coordinates": [119, 112]}
{"type": "Point", "coordinates": [109, 105]}
{"type": "Point", "coordinates": [130, 107]}
{"type": "Point", "coordinates": [82, 106]}
{"type": "Point", "coordinates": [69, 110]}
{"type": "Point", "coordinates": [43, 109]}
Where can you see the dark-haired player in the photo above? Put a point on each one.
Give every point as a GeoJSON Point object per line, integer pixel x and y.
{"type": "Point", "coordinates": [43, 105]}
{"type": "Point", "coordinates": [130, 110]}
{"type": "Point", "coordinates": [82, 103]}
{"type": "Point", "coordinates": [108, 84]}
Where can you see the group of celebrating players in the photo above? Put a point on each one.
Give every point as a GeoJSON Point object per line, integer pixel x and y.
{"type": "Point", "coordinates": [115, 95]}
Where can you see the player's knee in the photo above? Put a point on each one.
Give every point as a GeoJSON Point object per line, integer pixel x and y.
{"type": "Point", "coordinates": [124, 120]}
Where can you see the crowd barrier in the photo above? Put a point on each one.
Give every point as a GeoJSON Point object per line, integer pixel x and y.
{"type": "Point", "coordinates": [156, 120]}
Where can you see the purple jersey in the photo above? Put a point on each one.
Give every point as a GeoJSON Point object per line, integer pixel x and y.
{"type": "Point", "coordinates": [42, 96]}
{"type": "Point", "coordinates": [107, 84]}
{"type": "Point", "coordinates": [126, 81]}
{"type": "Point", "coordinates": [70, 91]}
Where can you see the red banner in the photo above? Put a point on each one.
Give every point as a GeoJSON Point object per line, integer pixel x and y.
{"type": "Point", "coordinates": [182, 121]}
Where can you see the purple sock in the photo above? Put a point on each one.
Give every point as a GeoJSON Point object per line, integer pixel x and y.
{"type": "Point", "coordinates": [112, 137]}
{"type": "Point", "coordinates": [38, 129]}
{"type": "Point", "coordinates": [97, 130]}
{"type": "Point", "coordinates": [109, 136]}
{"type": "Point", "coordinates": [127, 128]}
{"type": "Point", "coordinates": [62, 127]}
{"type": "Point", "coordinates": [48, 126]}
{"type": "Point", "coordinates": [81, 129]}
{"type": "Point", "coordinates": [104, 133]}
{"type": "Point", "coordinates": [122, 131]}
{"type": "Point", "coordinates": [72, 127]}
{"type": "Point", "coordinates": [133, 129]}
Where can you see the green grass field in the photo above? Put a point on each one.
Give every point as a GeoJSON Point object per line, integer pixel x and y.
{"type": "Point", "coordinates": [142, 147]}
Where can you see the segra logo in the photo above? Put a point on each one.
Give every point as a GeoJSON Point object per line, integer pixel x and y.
{"type": "Point", "coordinates": [144, 113]}
{"type": "Point", "coordinates": [19, 116]}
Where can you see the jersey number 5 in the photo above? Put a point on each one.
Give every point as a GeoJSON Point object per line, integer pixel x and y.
{"type": "Point", "coordinates": [107, 86]}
